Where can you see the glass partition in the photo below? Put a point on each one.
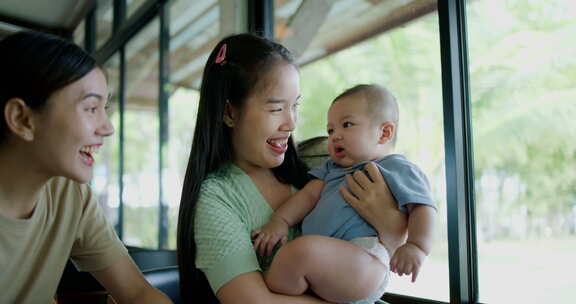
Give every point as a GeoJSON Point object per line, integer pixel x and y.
{"type": "Point", "coordinates": [104, 21]}
{"type": "Point", "coordinates": [141, 182]}
{"type": "Point", "coordinates": [522, 79]}
{"type": "Point", "coordinates": [105, 180]}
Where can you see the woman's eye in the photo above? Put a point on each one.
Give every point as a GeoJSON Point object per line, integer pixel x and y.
{"type": "Point", "coordinates": [347, 124]}
{"type": "Point", "coordinates": [276, 110]}
{"type": "Point", "coordinates": [330, 131]}
{"type": "Point", "coordinates": [92, 109]}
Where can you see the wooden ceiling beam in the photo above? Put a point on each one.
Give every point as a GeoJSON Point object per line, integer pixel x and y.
{"type": "Point", "coordinates": [389, 15]}
{"type": "Point", "coordinates": [305, 24]}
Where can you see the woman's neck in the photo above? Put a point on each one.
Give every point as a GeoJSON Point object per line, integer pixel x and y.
{"type": "Point", "coordinates": [20, 184]}
{"type": "Point", "coordinates": [254, 171]}
{"type": "Point", "coordinates": [274, 192]}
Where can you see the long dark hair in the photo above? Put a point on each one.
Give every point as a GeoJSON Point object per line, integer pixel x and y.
{"type": "Point", "coordinates": [34, 65]}
{"type": "Point", "coordinates": [248, 57]}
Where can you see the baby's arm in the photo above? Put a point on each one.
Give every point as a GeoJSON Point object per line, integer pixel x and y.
{"type": "Point", "coordinates": [291, 212]}
{"type": "Point", "coordinates": [409, 257]}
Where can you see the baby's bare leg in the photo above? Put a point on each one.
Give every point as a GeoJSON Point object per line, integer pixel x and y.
{"type": "Point", "coordinates": [336, 270]}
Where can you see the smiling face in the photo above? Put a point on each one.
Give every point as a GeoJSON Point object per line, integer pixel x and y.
{"type": "Point", "coordinates": [354, 135]}
{"type": "Point", "coordinates": [72, 127]}
{"type": "Point", "coordinates": [262, 127]}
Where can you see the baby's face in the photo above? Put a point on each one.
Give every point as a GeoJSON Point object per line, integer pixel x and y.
{"type": "Point", "coordinates": [353, 136]}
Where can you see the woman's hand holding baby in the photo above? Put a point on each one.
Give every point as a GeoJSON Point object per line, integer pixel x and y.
{"type": "Point", "coordinates": [372, 199]}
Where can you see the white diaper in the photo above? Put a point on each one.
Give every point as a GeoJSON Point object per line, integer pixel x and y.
{"type": "Point", "coordinates": [373, 246]}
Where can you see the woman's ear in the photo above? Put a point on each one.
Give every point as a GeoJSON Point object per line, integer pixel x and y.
{"type": "Point", "coordinates": [387, 132]}
{"type": "Point", "coordinates": [19, 118]}
{"type": "Point", "coordinates": [229, 115]}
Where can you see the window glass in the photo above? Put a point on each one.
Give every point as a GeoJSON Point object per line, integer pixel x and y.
{"type": "Point", "coordinates": [183, 111]}
{"type": "Point", "coordinates": [79, 33]}
{"type": "Point", "coordinates": [194, 31]}
{"type": "Point", "coordinates": [141, 159]}
{"type": "Point", "coordinates": [133, 5]}
{"type": "Point", "coordinates": [390, 43]}
{"type": "Point", "coordinates": [523, 75]}
{"type": "Point", "coordinates": [105, 180]}
{"type": "Point", "coordinates": [104, 21]}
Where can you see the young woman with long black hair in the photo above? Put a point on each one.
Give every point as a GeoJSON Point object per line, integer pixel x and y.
{"type": "Point", "coordinates": [243, 165]}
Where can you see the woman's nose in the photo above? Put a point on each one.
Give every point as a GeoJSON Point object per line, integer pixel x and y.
{"type": "Point", "coordinates": [106, 128]}
{"type": "Point", "coordinates": [289, 122]}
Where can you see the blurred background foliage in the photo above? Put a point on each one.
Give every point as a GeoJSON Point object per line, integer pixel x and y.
{"type": "Point", "coordinates": [522, 76]}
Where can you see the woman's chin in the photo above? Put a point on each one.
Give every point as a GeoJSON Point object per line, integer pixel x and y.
{"type": "Point", "coordinates": [276, 161]}
{"type": "Point", "coordinates": [80, 177]}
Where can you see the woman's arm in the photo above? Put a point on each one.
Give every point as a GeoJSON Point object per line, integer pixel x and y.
{"type": "Point", "coordinates": [127, 285]}
{"type": "Point", "coordinates": [372, 199]}
{"type": "Point", "coordinates": [251, 288]}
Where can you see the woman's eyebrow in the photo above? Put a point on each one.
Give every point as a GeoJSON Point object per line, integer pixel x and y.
{"type": "Point", "coordinates": [276, 101]}
{"type": "Point", "coordinates": [95, 95]}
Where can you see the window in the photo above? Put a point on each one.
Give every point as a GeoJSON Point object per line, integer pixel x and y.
{"type": "Point", "coordinates": [523, 73]}
{"type": "Point", "coordinates": [133, 6]}
{"type": "Point", "coordinates": [79, 33]}
{"type": "Point", "coordinates": [141, 158]}
{"type": "Point", "coordinates": [183, 109]}
{"type": "Point", "coordinates": [105, 179]}
{"type": "Point", "coordinates": [402, 56]}
{"type": "Point", "coordinates": [104, 21]}
{"type": "Point", "coordinates": [194, 31]}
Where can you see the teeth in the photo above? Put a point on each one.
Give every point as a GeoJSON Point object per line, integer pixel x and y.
{"type": "Point", "coordinates": [278, 142]}
{"type": "Point", "coordinates": [89, 149]}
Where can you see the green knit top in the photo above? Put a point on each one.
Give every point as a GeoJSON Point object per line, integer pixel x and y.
{"type": "Point", "coordinates": [229, 207]}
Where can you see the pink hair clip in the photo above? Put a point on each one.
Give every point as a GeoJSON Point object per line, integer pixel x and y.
{"type": "Point", "coordinates": [221, 54]}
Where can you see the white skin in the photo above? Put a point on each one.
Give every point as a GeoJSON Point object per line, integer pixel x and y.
{"type": "Point", "coordinates": [354, 136]}
{"type": "Point", "coordinates": [59, 140]}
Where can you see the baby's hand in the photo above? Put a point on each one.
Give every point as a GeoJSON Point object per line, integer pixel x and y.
{"type": "Point", "coordinates": [266, 237]}
{"type": "Point", "coordinates": [407, 260]}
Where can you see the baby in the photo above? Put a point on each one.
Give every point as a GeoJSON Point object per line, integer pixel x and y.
{"type": "Point", "coordinates": [349, 262]}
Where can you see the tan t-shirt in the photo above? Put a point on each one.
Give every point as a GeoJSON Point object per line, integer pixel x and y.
{"type": "Point", "coordinates": [67, 222]}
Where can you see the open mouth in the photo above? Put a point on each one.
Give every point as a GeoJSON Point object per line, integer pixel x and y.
{"type": "Point", "coordinates": [86, 154]}
{"type": "Point", "coordinates": [278, 145]}
{"type": "Point", "coordinates": [339, 152]}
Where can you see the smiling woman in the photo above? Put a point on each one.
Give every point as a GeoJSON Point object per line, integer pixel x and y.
{"type": "Point", "coordinates": [243, 166]}
{"type": "Point", "coordinates": [72, 127]}
{"type": "Point", "coordinates": [53, 99]}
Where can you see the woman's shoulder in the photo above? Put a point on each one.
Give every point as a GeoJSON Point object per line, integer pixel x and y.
{"type": "Point", "coordinates": [228, 188]}
{"type": "Point", "coordinates": [59, 188]}
{"type": "Point", "coordinates": [225, 177]}
{"type": "Point", "coordinates": [66, 198]}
